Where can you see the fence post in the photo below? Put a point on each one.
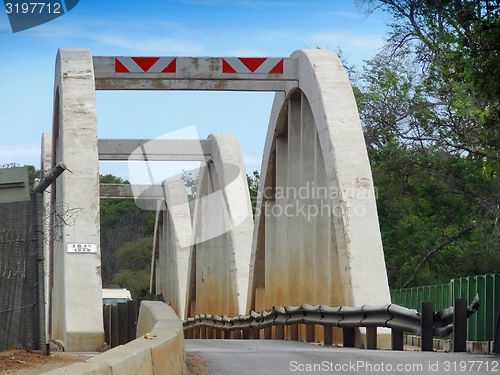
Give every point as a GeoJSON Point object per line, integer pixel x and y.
{"type": "Point", "coordinates": [460, 325]}
{"type": "Point", "coordinates": [426, 339]}
{"type": "Point", "coordinates": [496, 344]}
{"type": "Point", "coordinates": [107, 324]}
{"type": "Point", "coordinates": [131, 320]}
{"type": "Point", "coordinates": [114, 326]}
{"type": "Point", "coordinates": [122, 323]}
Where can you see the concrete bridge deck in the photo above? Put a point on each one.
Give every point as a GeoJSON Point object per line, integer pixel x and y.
{"type": "Point", "coordinates": [250, 357]}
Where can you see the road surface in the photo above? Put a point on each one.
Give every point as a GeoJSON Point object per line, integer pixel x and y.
{"type": "Point", "coordinates": [245, 357]}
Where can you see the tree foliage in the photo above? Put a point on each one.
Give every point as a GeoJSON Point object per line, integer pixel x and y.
{"type": "Point", "coordinates": [121, 222]}
{"type": "Point", "coordinates": [430, 105]}
{"type": "Point", "coordinates": [134, 260]}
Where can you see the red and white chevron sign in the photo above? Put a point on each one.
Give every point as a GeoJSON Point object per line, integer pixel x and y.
{"type": "Point", "coordinates": [266, 65]}
{"type": "Point", "coordinates": [125, 64]}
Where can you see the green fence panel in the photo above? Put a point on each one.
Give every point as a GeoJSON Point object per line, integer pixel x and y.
{"type": "Point", "coordinates": [472, 326]}
{"type": "Point", "coordinates": [496, 301]}
{"type": "Point", "coordinates": [488, 304]}
{"type": "Point", "coordinates": [482, 325]}
{"type": "Point", "coordinates": [481, 313]}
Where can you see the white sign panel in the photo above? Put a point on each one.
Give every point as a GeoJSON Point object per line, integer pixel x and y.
{"type": "Point", "coordinates": [82, 248]}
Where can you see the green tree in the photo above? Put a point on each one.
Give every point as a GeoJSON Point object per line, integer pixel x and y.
{"type": "Point", "coordinates": [33, 174]}
{"type": "Point", "coordinates": [253, 181]}
{"type": "Point", "coordinates": [121, 222]}
{"type": "Point", "coordinates": [135, 266]}
{"type": "Point", "coordinates": [430, 116]}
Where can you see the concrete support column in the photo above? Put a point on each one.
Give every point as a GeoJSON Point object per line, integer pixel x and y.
{"type": "Point", "coordinates": [281, 222]}
{"type": "Point", "coordinates": [77, 303]}
{"type": "Point", "coordinates": [271, 258]}
{"type": "Point", "coordinates": [293, 240]}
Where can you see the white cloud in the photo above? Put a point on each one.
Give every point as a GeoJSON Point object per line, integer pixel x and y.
{"type": "Point", "coordinates": [24, 154]}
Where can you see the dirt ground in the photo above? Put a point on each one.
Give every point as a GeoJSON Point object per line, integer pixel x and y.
{"type": "Point", "coordinates": [196, 365]}
{"type": "Point", "coordinates": [19, 359]}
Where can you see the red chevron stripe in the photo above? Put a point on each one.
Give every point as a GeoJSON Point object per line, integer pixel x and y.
{"type": "Point", "coordinates": [226, 68]}
{"type": "Point", "coordinates": [252, 63]}
{"type": "Point", "coordinates": [171, 68]}
{"type": "Point", "coordinates": [278, 68]}
{"type": "Point", "coordinates": [145, 62]}
{"type": "Point", "coordinates": [119, 67]}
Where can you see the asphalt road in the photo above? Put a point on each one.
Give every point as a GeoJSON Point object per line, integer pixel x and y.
{"type": "Point", "coordinates": [242, 357]}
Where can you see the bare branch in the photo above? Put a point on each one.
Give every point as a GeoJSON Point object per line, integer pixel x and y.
{"type": "Point", "coordinates": [435, 250]}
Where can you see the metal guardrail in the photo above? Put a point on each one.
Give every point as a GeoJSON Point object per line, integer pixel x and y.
{"type": "Point", "coordinates": [396, 317]}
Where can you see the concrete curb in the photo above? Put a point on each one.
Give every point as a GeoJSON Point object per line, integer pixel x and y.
{"type": "Point", "coordinates": [158, 349]}
{"type": "Point", "coordinates": [446, 345]}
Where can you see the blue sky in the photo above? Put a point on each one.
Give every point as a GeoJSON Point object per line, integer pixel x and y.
{"type": "Point", "coordinates": [242, 28]}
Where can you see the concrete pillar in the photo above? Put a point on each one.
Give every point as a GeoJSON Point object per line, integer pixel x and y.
{"type": "Point", "coordinates": [346, 257]}
{"type": "Point", "coordinates": [290, 212]}
{"type": "Point", "coordinates": [222, 233]}
{"type": "Point", "coordinates": [174, 238]}
{"type": "Point", "coordinates": [77, 303]}
{"type": "Point", "coordinates": [281, 232]}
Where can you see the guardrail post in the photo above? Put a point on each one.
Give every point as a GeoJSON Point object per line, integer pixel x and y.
{"type": "Point", "coordinates": [460, 325]}
{"type": "Point", "coordinates": [348, 340]}
{"type": "Point", "coordinates": [255, 333]}
{"type": "Point", "coordinates": [218, 333]}
{"type": "Point", "coordinates": [371, 337]}
{"type": "Point", "coordinates": [236, 334]}
{"type": "Point", "coordinates": [196, 333]}
{"type": "Point", "coordinates": [310, 332]}
{"type": "Point", "coordinates": [328, 335]}
{"type": "Point", "coordinates": [247, 334]}
{"type": "Point", "coordinates": [426, 339]}
{"type": "Point", "coordinates": [268, 333]}
{"type": "Point", "coordinates": [294, 332]}
{"type": "Point", "coordinates": [280, 332]}
{"type": "Point", "coordinates": [203, 332]}
{"type": "Point", "coordinates": [122, 323]}
{"type": "Point", "coordinates": [210, 333]}
{"type": "Point", "coordinates": [397, 339]}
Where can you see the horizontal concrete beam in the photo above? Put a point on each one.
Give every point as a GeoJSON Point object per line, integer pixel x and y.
{"type": "Point", "coordinates": [124, 191]}
{"type": "Point", "coordinates": [189, 68]}
{"type": "Point", "coordinates": [155, 149]}
{"type": "Point", "coordinates": [193, 84]}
